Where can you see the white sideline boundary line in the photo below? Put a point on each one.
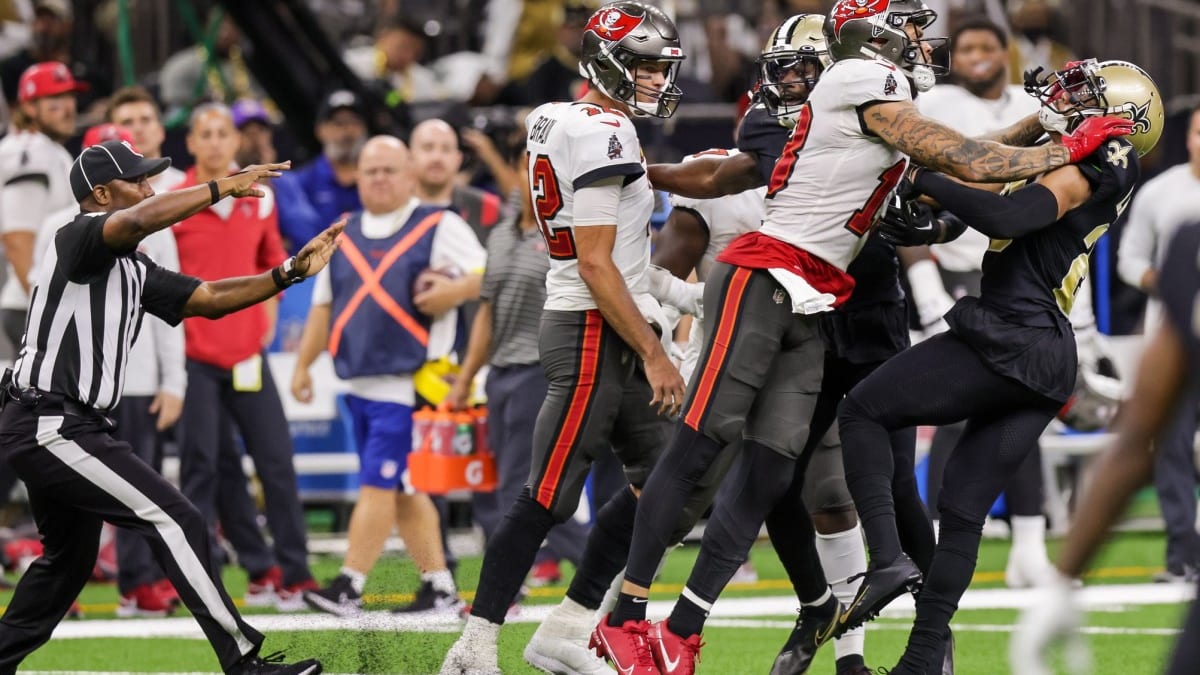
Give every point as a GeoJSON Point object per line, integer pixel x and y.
{"type": "Point", "coordinates": [958, 628]}
{"type": "Point", "coordinates": [1097, 598]}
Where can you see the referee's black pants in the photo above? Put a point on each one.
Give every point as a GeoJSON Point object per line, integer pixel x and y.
{"type": "Point", "coordinates": [79, 476]}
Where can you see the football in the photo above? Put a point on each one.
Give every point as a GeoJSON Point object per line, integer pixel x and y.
{"type": "Point", "coordinates": [425, 278]}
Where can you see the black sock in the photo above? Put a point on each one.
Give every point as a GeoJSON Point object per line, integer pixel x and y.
{"type": "Point", "coordinates": [606, 552]}
{"type": "Point", "coordinates": [687, 619]}
{"type": "Point", "coordinates": [508, 557]}
{"type": "Point", "coordinates": [849, 661]}
{"type": "Point", "coordinates": [912, 519]}
{"type": "Point", "coordinates": [629, 608]}
{"type": "Point", "coordinates": [664, 497]}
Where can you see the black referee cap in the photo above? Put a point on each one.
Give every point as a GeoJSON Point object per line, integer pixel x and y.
{"type": "Point", "coordinates": [109, 161]}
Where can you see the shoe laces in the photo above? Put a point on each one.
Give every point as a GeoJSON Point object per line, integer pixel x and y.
{"type": "Point", "coordinates": [637, 633]}
{"type": "Point", "coordinates": [273, 657]}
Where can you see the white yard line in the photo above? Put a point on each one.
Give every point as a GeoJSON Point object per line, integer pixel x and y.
{"type": "Point", "coordinates": [1098, 598]}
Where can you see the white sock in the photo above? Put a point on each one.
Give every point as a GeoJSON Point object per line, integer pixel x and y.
{"type": "Point", "coordinates": [358, 580]}
{"type": "Point", "coordinates": [1028, 534]}
{"type": "Point", "coordinates": [442, 581]}
{"type": "Point", "coordinates": [569, 611]}
{"type": "Point", "coordinates": [820, 601]}
{"type": "Point", "coordinates": [844, 555]}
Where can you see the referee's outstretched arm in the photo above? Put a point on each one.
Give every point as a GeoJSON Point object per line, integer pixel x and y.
{"type": "Point", "coordinates": [136, 213]}
{"type": "Point", "coordinates": [214, 299]}
{"type": "Point", "coordinates": [136, 217]}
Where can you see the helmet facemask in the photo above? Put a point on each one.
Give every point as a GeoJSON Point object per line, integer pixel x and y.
{"type": "Point", "coordinates": [923, 73]}
{"type": "Point", "coordinates": [1068, 95]}
{"type": "Point", "coordinates": [782, 95]}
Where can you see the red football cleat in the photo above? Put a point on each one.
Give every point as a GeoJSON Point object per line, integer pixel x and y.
{"type": "Point", "coordinates": [626, 647]}
{"type": "Point", "coordinates": [673, 655]}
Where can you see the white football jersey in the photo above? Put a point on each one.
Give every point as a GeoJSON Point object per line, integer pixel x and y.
{"type": "Point", "coordinates": [571, 146]}
{"type": "Point", "coordinates": [724, 217]}
{"type": "Point", "coordinates": [834, 178]}
{"type": "Point", "coordinates": [30, 158]}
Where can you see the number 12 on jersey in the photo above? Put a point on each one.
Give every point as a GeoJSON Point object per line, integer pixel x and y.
{"type": "Point", "coordinates": [547, 202]}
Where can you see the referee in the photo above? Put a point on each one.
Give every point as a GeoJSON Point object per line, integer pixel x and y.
{"type": "Point", "coordinates": [86, 308]}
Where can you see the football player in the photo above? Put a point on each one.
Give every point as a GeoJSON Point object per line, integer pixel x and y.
{"type": "Point", "coordinates": [762, 364]}
{"type": "Point", "coordinates": [610, 376]}
{"type": "Point", "coordinates": [1008, 362]}
{"type": "Point", "coordinates": [1168, 370]}
{"type": "Point", "coordinates": [696, 232]}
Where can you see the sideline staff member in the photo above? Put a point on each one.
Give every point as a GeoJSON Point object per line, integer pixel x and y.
{"type": "Point", "coordinates": [86, 307]}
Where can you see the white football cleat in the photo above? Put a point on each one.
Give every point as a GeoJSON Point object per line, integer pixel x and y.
{"type": "Point", "coordinates": [474, 653]}
{"type": "Point", "coordinates": [560, 648]}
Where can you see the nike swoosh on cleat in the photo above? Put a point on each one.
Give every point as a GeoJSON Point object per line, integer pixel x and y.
{"type": "Point", "coordinates": [671, 665]}
{"type": "Point", "coordinates": [862, 593]}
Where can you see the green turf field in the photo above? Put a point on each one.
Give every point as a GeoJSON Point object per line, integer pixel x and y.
{"type": "Point", "coordinates": [1125, 640]}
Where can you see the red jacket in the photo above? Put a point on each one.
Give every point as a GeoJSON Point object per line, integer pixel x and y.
{"type": "Point", "coordinates": [232, 238]}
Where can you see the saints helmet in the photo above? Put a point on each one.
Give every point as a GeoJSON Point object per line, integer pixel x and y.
{"type": "Point", "coordinates": [796, 42]}
{"type": "Point", "coordinates": [874, 29]}
{"type": "Point", "coordinates": [1096, 88]}
{"type": "Point", "coordinates": [621, 35]}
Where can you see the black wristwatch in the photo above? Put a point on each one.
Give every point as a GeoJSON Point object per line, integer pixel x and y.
{"type": "Point", "coordinates": [286, 275]}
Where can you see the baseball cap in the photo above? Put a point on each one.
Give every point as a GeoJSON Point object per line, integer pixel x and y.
{"type": "Point", "coordinates": [246, 110]}
{"type": "Point", "coordinates": [106, 132]}
{"type": "Point", "coordinates": [109, 161]}
{"type": "Point", "coordinates": [339, 100]}
{"type": "Point", "coordinates": [48, 78]}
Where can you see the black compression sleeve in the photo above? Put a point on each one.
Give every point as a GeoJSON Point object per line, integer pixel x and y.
{"type": "Point", "coordinates": [998, 216]}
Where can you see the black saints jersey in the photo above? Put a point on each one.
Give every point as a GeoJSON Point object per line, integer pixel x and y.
{"type": "Point", "coordinates": [1019, 322]}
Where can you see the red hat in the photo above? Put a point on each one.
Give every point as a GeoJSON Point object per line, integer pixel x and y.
{"type": "Point", "coordinates": [49, 78]}
{"type": "Point", "coordinates": [106, 132]}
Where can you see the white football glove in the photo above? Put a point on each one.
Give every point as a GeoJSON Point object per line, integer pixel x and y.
{"type": "Point", "coordinates": [1055, 618]}
{"type": "Point", "coordinates": [930, 297]}
{"type": "Point", "coordinates": [671, 290]}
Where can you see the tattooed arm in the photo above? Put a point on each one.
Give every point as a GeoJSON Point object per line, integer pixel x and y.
{"type": "Point", "coordinates": [1023, 134]}
{"type": "Point", "coordinates": [939, 147]}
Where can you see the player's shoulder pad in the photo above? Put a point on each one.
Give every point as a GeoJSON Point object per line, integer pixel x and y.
{"type": "Point", "coordinates": [1113, 166]}
{"type": "Point", "coordinates": [853, 82]}
{"type": "Point", "coordinates": [603, 133]}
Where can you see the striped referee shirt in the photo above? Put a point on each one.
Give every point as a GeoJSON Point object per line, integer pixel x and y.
{"type": "Point", "coordinates": [85, 310]}
{"type": "Point", "coordinates": [515, 284]}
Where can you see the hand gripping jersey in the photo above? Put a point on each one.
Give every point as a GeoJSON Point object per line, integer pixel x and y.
{"type": "Point", "coordinates": [834, 178]}
{"type": "Point", "coordinates": [571, 146]}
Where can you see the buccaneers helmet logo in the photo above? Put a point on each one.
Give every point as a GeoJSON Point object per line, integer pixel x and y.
{"type": "Point", "coordinates": [613, 24]}
{"type": "Point", "coordinates": [848, 10]}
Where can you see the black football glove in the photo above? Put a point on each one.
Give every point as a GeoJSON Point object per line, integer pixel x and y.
{"type": "Point", "coordinates": [908, 223]}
